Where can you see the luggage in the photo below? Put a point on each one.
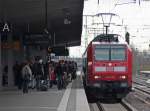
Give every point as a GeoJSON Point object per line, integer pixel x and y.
{"type": "Point", "coordinates": [32, 82]}
{"type": "Point", "coordinates": [69, 77]}
{"type": "Point", "coordinates": [43, 86]}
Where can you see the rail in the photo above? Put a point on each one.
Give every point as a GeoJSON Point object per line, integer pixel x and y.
{"type": "Point", "coordinates": [114, 107]}
{"type": "Point", "coordinates": [140, 89]}
{"type": "Point", "coordinates": [121, 106]}
{"type": "Point", "coordinates": [143, 94]}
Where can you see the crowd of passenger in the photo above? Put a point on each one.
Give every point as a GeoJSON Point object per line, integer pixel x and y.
{"type": "Point", "coordinates": [29, 74]}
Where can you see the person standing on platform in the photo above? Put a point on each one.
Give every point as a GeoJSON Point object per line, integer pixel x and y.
{"type": "Point", "coordinates": [52, 75]}
{"type": "Point", "coordinates": [59, 73]}
{"type": "Point", "coordinates": [26, 74]}
{"type": "Point", "coordinates": [38, 71]}
{"type": "Point", "coordinates": [46, 70]}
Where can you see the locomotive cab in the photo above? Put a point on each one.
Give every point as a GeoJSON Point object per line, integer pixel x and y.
{"type": "Point", "coordinates": [108, 67]}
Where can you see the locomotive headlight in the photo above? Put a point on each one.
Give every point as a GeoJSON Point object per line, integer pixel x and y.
{"type": "Point", "coordinates": [109, 64]}
{"type": "Point", "coordinates": [97, 77]}
{"type": "Point", "coordinates": [89, 63]}
{"type": "Point", "coordinates": [123, 77]}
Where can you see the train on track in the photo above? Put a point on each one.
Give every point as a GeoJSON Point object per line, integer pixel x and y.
{"type": "Point", "coordinates": [107, 67]}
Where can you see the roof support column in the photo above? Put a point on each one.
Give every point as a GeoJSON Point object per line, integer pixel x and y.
{"type": "Point", "coordinates": [0, 65]}
{"type": "Point", "coordinates": [10, 62]}
{"type": "Point", "coordinates": [22, 48]}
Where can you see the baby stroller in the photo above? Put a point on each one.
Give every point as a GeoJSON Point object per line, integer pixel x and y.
{"type": "Point", "coordinates": [42, 84]}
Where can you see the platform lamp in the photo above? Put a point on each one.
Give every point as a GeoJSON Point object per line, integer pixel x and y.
{"type": "Point", "coordinates": [67, 16]}
{"type": "Point", "coordinates": [46, 15]}
{"type": "Point", "coordinates": [46, 31]}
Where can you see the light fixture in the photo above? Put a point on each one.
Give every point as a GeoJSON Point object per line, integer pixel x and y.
{"type": "Point", "coordinates": [67, 18]}
{"type": "Point", "coordinates": [46, 31]}
{"type": "Point", "coordinates": [67, 21]}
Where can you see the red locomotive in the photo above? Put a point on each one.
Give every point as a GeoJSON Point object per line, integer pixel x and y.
{"type": "Point", "coordinates": [107, 67]}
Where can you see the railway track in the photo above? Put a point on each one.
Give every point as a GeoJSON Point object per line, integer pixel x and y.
{"type": "Point", "coordinates": [141, 87]}
{"type": "Point", "coordinates": [141, 80]}
{"type": "Point", "coordinates": [142, 94]}
{"type": "Point", "coordinates": [142, 77]}
{"type": "Point", "coordinates": [142, 90]}
{"type": "Point", "coordinates": [122, 106]}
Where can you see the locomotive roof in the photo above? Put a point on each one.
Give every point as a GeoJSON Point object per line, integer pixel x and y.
{"type": "Point", "coordinates": [107, 43]}
{"type": "Point", "coordinates": [100, 39]}
{"type": "Point", "coordinates": [108, 38]}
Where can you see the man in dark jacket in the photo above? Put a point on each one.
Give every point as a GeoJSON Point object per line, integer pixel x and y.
{"type": "Point", "coordinates": [59, 73]}
{"type": "Point", "coordinates": [38, 72]}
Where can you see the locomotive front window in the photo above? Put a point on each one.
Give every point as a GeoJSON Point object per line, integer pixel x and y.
{"type": "Point", "coordinates": [118, 53]}
{"type": "Point", "coordinates": [101, 53]}
{"type": "Point", "coordinates": [112, 52]}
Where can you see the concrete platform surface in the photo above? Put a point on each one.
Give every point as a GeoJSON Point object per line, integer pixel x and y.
{"type": "Point", "coordinates": [33, 101]}
{"type": "Point", "coordinates": [72, 98]}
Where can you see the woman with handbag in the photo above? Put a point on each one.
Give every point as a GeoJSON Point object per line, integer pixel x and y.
{"type": "Point", "coordinates": [26, 74]}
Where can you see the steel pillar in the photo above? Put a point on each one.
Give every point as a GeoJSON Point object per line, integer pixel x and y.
{"type": "Point", "coordinates": [10, 62]}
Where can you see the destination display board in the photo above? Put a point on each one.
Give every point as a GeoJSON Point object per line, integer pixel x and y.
{"type": "Point", "coordinates": [59, 50]}
{"type": "Point", "coordinates": [36, 40]}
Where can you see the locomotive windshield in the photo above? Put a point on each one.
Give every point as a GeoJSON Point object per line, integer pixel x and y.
{"type": "Point", "coordinates": [103, 52]}
{"type": "Point", "coordinates": [117, 53]}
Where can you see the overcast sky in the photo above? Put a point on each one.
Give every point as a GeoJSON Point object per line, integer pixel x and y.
{"type": "Point", "coordinates": [134, 15]}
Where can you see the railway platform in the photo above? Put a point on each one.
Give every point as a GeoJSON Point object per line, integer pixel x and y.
{"type": "Point", "coordinates": [72, 98]}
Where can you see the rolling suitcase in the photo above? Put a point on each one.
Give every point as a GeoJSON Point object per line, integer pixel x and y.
{"type": "Point", "coordinates": [32, 83]}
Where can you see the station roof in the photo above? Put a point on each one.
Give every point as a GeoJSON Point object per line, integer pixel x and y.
{"type": "Point", "coordinates": [62, 19]}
